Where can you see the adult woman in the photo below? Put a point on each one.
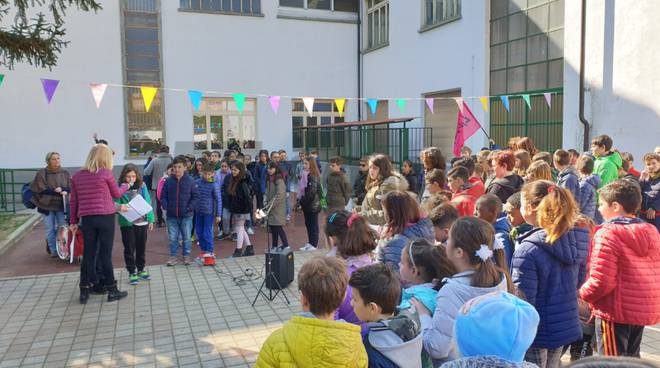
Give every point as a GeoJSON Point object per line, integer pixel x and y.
{"type": "Point", "coordinates": [431, 158]}
{"type": "Point", "coordinates": [275, 204]}
{"type": "Point", "coordinates": [240, 205]}
{"type": "Point", "coordinates": [92, 208]}
{"type": "Point", "coordinates": [310, 201]}
{"type": "Point", "coordinates": [382, 180]}
{"type": "Point", "coordinates": [50, 184]}
{"type": "Point", "coordinates": [506, 182]}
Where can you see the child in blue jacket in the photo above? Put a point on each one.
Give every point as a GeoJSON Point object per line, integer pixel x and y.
{"type": "Point", "coordinates": [208, 210]}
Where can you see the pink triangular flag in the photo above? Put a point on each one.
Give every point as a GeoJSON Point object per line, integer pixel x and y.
{"type": "Point", "coordinates": [274, 103]}
{"type": "Point", "coordinates": [466, 126]}
{"type": "Point", "coordinates": [98, 90]}
{"type": "Point", "coordinates": [309, 104]}
{"type": "Point", "coordinates": [429, 103]}
{"type": "Point", "coordinates": [548, 98]}
{"type": "Point", "coordinates": [50, 85]}
{"type": "Point", "coordinates": [459, 102]}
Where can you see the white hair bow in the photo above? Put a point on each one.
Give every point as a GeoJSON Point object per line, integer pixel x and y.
{"type": "Point", "coordinates": [484, 252]}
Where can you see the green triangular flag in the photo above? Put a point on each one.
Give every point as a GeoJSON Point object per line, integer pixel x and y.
{"type": "Point", "coordinates": [528, 101]}
{"type": "Point", "coordinates": [239, 98]}
{"type": "Point", "coordinates": [402, 104]}
{"type": "Point", "coordinates": [2, 77]}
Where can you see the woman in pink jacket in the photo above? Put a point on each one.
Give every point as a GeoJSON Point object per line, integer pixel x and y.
{"type": "Point", "coordinates": [93, 210]}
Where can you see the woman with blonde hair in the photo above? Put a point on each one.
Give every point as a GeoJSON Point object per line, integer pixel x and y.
{"type": "Point", "coordinates": [92, 210]}
{"type": "Point", "coordinates": [523, 160]}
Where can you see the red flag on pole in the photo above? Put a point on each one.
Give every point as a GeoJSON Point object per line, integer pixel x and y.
{"type": "Point", "coordinates": [466, 126]}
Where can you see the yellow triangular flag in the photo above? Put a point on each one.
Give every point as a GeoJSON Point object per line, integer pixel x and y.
{"type": "Point", "coordinates": [484, 102]}
{"type": "Point", "coordinates": [148, 94]}
{"type": "Point", "coordinates": [340, 102]}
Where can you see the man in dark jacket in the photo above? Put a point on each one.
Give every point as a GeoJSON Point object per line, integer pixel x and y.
{"type": "Point", "coordinates": [360, 184]}
{"type": "Point", "coordinates": [156, 169]}
{"type": "Point", "coordinates": [179, 199]}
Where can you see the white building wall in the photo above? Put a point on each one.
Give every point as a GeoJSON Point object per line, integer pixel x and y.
{"type": "Point", "coordinates": [621, 74]}
{"type": "Point", "coordinates": [449, 57]}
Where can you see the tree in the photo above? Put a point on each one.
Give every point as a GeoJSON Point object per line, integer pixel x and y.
{"type": "Point", "coordinates": [37, 41]}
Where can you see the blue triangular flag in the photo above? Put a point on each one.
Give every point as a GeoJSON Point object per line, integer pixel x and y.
{"type": "Point", "coordinates": [195, 98]}
{"type": "Point", "coordinates": [505, 102]}
{"type": "Point", "coordinates": [373, 103]}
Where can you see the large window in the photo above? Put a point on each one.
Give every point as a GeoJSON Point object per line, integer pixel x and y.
{"type": "Point", "coordinates": [378, 23]}
{"type": "Point", "coordinates": [336, 5]}
{"type": "Point", "coordinates": [440, 11]}
{"type": "Point", "coordinates": [218, 121]}
{"type": "Point", "coordinates": [246, 7]}
{"type": "Point", "coordinates": [141, 44]}
{"type": "Point", "coordinates": [325, 113]}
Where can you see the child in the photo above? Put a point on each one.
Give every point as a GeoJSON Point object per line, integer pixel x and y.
{"type": "Point", "coordinates": [286, 173]}
{"type": "Point", "coordinates": [538, 170]}
{"type": "Point", "coordinates": [489, 208]}
{"type": "Point", "coordinates": [423, 266]}
{"type": "Point", "coordinates": [434, 180]}
{"type": "Point", "coordinates": [240, 205]}
{"type": "Point", "coordinates": [573, 155]}
{"type": "Point", "coordinates": [338, 189]}
{"type": "Point", "coordinates": [309, 192]}
{"type": "Point", "coordinates": [495, 330]}
{"type": "Point", "coordinates": [393, 340]}
{"type": "Point", "coordinates": [628, 157]}
{"type": "Point", "coordinates": [567, 177]}
{"type": "Point", "coordinates": [411, 176]}
{"type": "Point", "coordinates": [548, 264]}
{"type": "Point", "coordinates": [623, 272]}
{"type": "Point", "coordinates": [179, 198]}
{"type": "Point", "coordinates": [208, 210]}
{"type": "Point", "coordinates": [443, 217]}
{"type": "Point", "coordinates": [431, 158]}
{"type": "Point", "coordinates": [354, 242]}
{"type": "Point", "coordinates": [470, 250]}
{"type": "Point", "coordinates": [589, 184]}
{"type": "Point", "coordinates": [313, 338]}
{"type": "Point", "coordinates": [475, 175]}
{"type": "Point", "coordinates": [275, 205]}
{"type": "Point", "coordinates": [547, 158]}
{"type": "Point", "coordinates": [466, 151]}
{"type": "Point", "coordinates": [161, 183]}
{"type": "Point", "coordinates": [518, 224]}
{"type": "Point", "coordinates": [220, 176]}
{"type": "Point", "coordinates": [626, 175]}
{"type": "Point", "coordinates": [134, 234]}
{"type": "Point", "coordinates": [464, 195]}
{"type": "Point", "coordinates": [607, 163]}
{"type": "Point", "coordinates": [360, 184]}
{"type": "Point", "coordinates": [523, 160]}
{"type": "Point", "coordinates": [651, 189]}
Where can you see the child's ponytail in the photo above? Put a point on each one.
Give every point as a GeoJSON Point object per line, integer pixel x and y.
{"type": "Point", "coordinates": [556, 209]}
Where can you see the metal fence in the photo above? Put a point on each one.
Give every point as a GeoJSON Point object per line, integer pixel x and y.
{"type": "Point", "coordinates": [11, 183]}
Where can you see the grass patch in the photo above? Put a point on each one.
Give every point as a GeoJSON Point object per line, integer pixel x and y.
{"type": "Point", "coordinates": [9, 223]}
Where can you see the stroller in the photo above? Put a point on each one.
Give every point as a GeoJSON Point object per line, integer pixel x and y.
{"type": "Point", "coordinates": [69, 244]}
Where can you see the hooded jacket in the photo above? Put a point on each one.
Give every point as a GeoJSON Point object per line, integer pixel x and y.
{"type": "Point", "coordinates": [395, 342]}
{"type": "Point", "coordinates": [345, 311]}
{"type": "Point", "coordinates": [588, 187]}
{"type": "Point", "coordinates": [390, 252]}
{"type": "Point", "coordinates": [568, 179]}
{"type": "Point", "coordinates": [371, 208]}
{"type": "Point", "coordinates": [503, 235]}
{"type": "Point", "coordinates": [465, 200]}
{"type": "Point", "coordinates": [438, 331]}
{"type": "Point", "coordinates": [338, 191]}
{"type": "Point", "coordinates": [549, 275]}
{"type": "Point", "coordinates": [313, 343]}
{"type": "Point", "coordinates": [504, 187]}
{"type": "Point", "coordinates": [607, 167]}
{"type": "Point", "coordinates": [623, 284]}
{"type": "Point", "coordinates": [478, 184]}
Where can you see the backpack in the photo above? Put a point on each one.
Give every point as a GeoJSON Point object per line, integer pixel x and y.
{"type": "Point", "coordinates": [26, 196]}
{"type": "Point", "coordinates": [323, 201]}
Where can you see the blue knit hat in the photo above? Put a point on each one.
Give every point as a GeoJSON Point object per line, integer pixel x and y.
{"type": "Point", "coordinates": [497, 324]}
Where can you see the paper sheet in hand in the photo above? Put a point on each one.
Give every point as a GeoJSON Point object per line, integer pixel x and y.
{"type": "Point", "coordinates": [137, 208]}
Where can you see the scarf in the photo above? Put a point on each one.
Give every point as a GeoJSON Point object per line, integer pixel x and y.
{"type": "Point", "coordinates": [302, 184]}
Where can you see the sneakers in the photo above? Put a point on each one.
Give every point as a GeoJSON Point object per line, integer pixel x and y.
{"type": "Point", "coordinates": [237, 253]}
{"type": "Point", "coordinates": [248, 251]}
{"type": "Point", "coordinates": [173, 261]}
{"type": "Point", "coordinates": [308, 247]}
{"type": "Point", "coordinates": [187, 260]}
{"type": "Point", "coordinates": [133, 279]}
{"type": "Point", "coordinates": [288, 218]}
{"type": "Point", "coordinates": [250, 231]}
{"type": "Point", "coordinates": [144, 275]}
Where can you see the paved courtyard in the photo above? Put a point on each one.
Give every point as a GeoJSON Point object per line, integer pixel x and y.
{"type": "Point", "coordinates": [185, 317]}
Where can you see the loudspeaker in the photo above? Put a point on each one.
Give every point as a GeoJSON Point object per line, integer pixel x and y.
{"type": "Point", "coordinates": [282, 267]}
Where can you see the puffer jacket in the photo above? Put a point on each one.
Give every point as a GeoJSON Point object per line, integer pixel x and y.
{"type": "Point", "coordinates": [505, 187]}
{"type": "Point", "coordinates": [260, 177]}
{"type": "Point", "coordinates": [210, 199]}
{"type": "Point", "coordinates": [310, 202]}
{"type": "Point", "coordinates": [276, 202]}
{"type": "Point", "coordinates": [313, 343]}
{"type": "Point", "coordinates": [549, 275]}
{"type": "Point", "coordinates": [503, 235]}
{"type": "Point", "coordinates": [651, 198]}
{"type": "Point", "coordinates": [241, 202]}
{"type": "Point", "coordinates": [371, 208]}
{"type": "Point", "coordinates": [623, 284]}
{"type": "Point", "coordinates": [390, 252]}
{"type": "Point", "coordinates": [465, 199]}
{"type": "Point", "coordinates": [179, 197]}
{"type": "Point", "coordinates": [568, 179]}
{"type": "Point", "coordinates": [607, 167]}
{"type": "Point", "coordinates": [588, 187]}
{"type": "Point", "coordinates": [338, 191]}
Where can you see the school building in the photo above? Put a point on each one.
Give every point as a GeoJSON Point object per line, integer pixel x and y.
{"type": "Point", "coordinates": [537, 53]}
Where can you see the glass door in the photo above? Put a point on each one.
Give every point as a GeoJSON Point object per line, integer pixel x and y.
{"type": "Point", "coordinates": [200, 136]}
{"type": "Point", "coordinates": [215, 132]}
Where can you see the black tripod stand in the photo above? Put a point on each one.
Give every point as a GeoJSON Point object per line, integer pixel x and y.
{"type": "Point", "coordinates": [270, 275]}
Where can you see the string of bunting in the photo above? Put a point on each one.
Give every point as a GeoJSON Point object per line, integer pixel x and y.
{"type": "Point", "coordinates": [149, 93]}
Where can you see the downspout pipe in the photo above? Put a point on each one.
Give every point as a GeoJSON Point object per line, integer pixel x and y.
{"type": "Point", "coordinates": [359, 60]}
{"type": "Point", "coordinates": [583, 120]}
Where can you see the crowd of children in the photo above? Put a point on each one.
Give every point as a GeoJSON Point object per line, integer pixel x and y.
{"type": "Point", "coordinates": [506, 258]}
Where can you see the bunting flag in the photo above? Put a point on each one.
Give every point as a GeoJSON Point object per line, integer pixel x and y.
{"type": "Point", "coordinates": [429, 104]}
{"type": "Point", "coordinates": [274, 103]}
{"type": "Point", "coordinates": [49, 85]}
{"type": "Point", "coordinates": [402, 105]}
{"type": "Point", "coordinates": [340, 102]}
{"type": "Point", "coordinates": [548, 98]}
{"type": "Point", "coordinates": [195, 99]}
{"type": "Point", "coordinates": [2, 77]}
{"type": "Point", "coordinates": [527, 101]}
{"type": "Point", "coordinates": [98, 90]}
{"type": "Point", "coordinates": [484, 102]}
{"type": "Point", "coordinates": [373, 104]}
{"type": "Point", "coordinates": [505, 102]}
{"type": "Point", "coordinates": [466, 126]}
{"type": "Point", "coordinates": [460, 103]}
{"type": "Point", "coordinates": [148, 94]}
{"type": "Point", "coordinates": [239, 98]}
{"type": "Point", "coordinates": [309, 104]}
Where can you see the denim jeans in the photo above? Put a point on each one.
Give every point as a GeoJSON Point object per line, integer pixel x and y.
{"type": "Point", "coordinates": [312, 225]}
{"type": "Point", "coordinates": [53, 220]}
{"type": "Point", "coordinates": [179, 228]}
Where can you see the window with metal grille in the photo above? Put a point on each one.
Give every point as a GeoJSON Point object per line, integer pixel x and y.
{"type": "Point", "coordinates": [378, 23]}
{"type": "Point", "coordinates": [440, 11]}
{"type": "Point", "coordinates": [243, 7]}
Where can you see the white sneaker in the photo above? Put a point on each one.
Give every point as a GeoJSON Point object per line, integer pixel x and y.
{"type": "Point", "coordinates": [250, 231]}
{"type": "Point", "coordinates": [308, 247]}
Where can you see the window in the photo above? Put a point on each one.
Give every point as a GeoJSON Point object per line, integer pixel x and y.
{"type": "Point", "coordinates": [244, 7]}
{"type": "Point", "coordinates": [218, 121]}
{"type": "Point", "coordinates": [378, 27]}
{"type": "Point", "coordinates": [325, 113]}
{"type": "Point", "coordinates": [141, 46]}
{"type": "Point", "coordinates": [441, 11]}
{"type": "Point", "coordinates": [335, 5]}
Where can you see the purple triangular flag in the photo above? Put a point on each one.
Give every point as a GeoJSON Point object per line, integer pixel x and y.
{"type": "Point", "coordinates": [429, 103]}
{"type": "Point", "coordinates": [50, 85]}
{"type": "Point", "coordinates": [274, 103]}
{"type": "Point", "coordinates": [548, 98]}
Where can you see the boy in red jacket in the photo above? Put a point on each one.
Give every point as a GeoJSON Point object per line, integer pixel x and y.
{"type": "Point", "coordinates": [464, 194]}
{"type": "Point", "coordinates": [623, 287]}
